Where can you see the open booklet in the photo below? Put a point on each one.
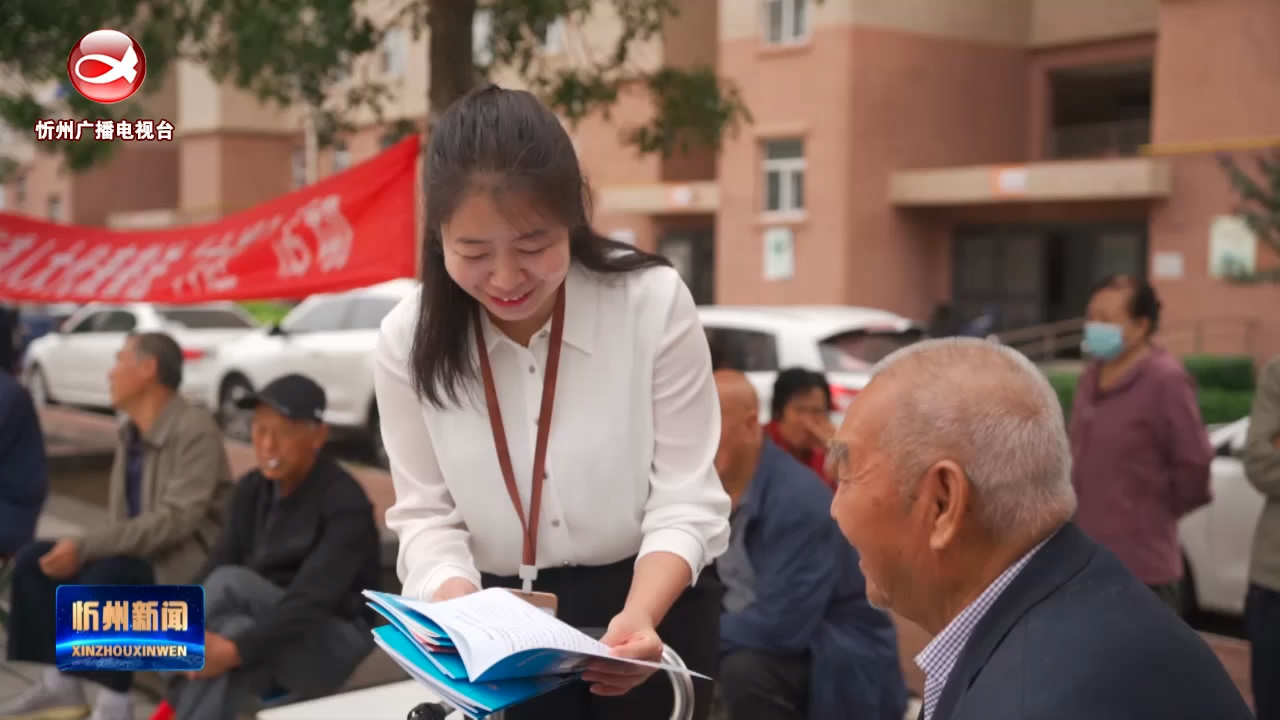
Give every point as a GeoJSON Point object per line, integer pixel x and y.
{"type": "Point", "coordinates": [489, 650]}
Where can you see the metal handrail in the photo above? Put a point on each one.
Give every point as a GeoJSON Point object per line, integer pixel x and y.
{"type": "Point", "coordinates": [1043, 343]}
{"type": "Point", "coordinates": [681, 691]}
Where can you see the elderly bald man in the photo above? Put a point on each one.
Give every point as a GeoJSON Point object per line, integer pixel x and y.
{"type": "Point", "coordinates": [798, 640]}
{"type": "Point", "coordinates": [955, 487]}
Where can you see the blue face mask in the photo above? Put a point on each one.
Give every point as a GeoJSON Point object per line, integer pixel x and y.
{"type": "Point", "coordinates": [1103, 340]}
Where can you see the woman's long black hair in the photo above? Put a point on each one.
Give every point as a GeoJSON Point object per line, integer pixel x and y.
{"type": "Point", "coordinates": [502, 141]}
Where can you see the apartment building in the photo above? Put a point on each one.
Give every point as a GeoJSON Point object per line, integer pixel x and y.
{"type": "Point", "coordinates": [997, 155]}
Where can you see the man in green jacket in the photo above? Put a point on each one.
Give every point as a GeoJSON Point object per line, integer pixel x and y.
{"type": "Point", "coordinates": [166, 497]}
{"type": "Point", "coordinates": [1262, 606]}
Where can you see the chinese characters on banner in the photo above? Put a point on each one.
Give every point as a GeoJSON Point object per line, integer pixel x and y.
{"type": "Point", "coordinates": [349, 230]}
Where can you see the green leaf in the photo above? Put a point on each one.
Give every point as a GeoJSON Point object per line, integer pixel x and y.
{"type": "Point", "coordinates": [300, 51]}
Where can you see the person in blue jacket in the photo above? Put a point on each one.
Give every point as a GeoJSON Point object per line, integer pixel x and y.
{"type": "Point", "coordinates": [798, 639]}
{"type": "Point", "coordinates": [24, 478]}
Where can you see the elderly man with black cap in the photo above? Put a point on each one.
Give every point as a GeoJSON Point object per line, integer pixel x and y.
{"type": "Point", "coordinates": [283, 603]}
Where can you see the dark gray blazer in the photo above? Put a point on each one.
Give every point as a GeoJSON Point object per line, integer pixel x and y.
{"type": "Point", "coordinates": [1075, 636]}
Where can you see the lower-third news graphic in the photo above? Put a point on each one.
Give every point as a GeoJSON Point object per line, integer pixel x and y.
{"type": "Point", "coordinates": [130, 627]}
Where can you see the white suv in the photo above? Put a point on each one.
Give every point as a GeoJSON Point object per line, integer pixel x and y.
{"type": "Point", "coordinates": [843, 342]}
{"type": "Point", "coordinates": [329, 338]}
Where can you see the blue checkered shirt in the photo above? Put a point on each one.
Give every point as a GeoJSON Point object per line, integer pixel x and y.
{"type": "Point", "coordinates": [939, 657]}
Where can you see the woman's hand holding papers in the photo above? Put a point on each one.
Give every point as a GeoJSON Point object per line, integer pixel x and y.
{"type": "Point", "coordinates": [454, 587]}
{"type": "Point", "coordinates": [630, 635]}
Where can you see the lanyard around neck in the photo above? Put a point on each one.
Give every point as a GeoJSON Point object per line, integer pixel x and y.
{"type": "Point", "coordinates": [529, 524]}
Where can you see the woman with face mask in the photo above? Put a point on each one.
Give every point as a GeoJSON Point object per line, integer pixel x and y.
{"type": "Point", "coordinates": [1141, 453]}
{"type": "Point", "coordinates": [549, 412]}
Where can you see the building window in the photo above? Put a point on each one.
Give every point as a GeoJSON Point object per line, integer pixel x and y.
{"type": "Point", "coordinates": [298, 163]}
{"type": "Point", "coordinates": [482, 37]}
{"type": "Point", "coordinates": [784, 167]}
{"type": "Point", "coordinates": [3, 189]}
{"type": "Point", "coordinates": [553, 38]}
{"type": "Point", "coordinates": [394, 49]}
{"type": "Point", "coordinates": [786, 22]}
{"type": "Point", "coordinates": [55, 208]}
{"type": "Point", "coordinates": [341, 156]}
{"type": "Point", "coordinates": [20, 191]}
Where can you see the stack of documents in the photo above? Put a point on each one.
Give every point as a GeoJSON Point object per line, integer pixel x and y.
{"type": "Point", "coordinates": [486, 651]}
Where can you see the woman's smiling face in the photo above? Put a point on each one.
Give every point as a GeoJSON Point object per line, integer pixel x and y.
{"type": "Point", "coordinates": [511, 262]}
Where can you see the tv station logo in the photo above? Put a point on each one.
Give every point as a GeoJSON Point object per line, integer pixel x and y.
{"type": "Point", "coordinates": [106, 66]}
{"type": "Point", "coordinates": [130, 627]}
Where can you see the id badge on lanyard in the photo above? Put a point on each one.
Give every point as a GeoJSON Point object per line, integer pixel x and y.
{"type": "Point", "coordinates": [529, 525]}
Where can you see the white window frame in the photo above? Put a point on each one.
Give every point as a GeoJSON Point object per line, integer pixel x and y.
{"type": "Point", "coordinates": [298, 167]}
{"type": "Point", "coordinates": [788, 34]}
{"type": "Point", "coordinates": [341, 156]}
{"type": "Point", "coordinates": [395, 48]}
{"type": "Point", "coordinates": [482, 36]}
{"type": "Point", "coordinates": [553, 38]}
{"type": "Point", "coordinates": [54, 207]}
{"type": "Point", "coordinates": [787, 168]}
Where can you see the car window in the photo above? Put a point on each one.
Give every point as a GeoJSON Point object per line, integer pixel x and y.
{"type": "Point", "coordinates": [205, 318]}
{"type": "Point", "coordinates": [116, 321]}
{"type": "Point", "coordinates": [858, 350]}
{"type": "Point", "coordinates": [366, 313]}
{"type": "Point", "coordinates": [106, 321]}
{"type": "Point", "coordinates": [744, 350]}
{"type": "Point", "coordinates": [86, 323]}
{"type": "Point", "coordinates": [323, 316]}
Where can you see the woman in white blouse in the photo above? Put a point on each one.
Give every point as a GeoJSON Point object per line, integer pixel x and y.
{"type": "Point", "coordinates": [525, 307]}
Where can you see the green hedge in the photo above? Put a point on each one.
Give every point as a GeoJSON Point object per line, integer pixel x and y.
{"type": "Point", "coordinates": [1225, 385]}
{"type": "Point", "coordinates": [1064, 383]}
{"type": "Point", "coordinates": [266, 312]}
{"type": "Point", "coordinates": [1222, 372]}
{"type": "Point", "coordinates": [1223, 406]}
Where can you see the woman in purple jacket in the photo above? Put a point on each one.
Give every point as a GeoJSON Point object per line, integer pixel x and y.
{"type": "Point", "coordinates": [1140, 451]}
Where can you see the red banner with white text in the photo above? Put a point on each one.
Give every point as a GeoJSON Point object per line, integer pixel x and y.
{"type": "Point", "coordinates": [349, 230]}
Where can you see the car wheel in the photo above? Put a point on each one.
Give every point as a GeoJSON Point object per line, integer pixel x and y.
{"type": "Point", "coordinates": [38, 387]}
{"type": "Point", "coordinates": [236, 423]}
{"type": "Point", "coordinates": [376, 448]}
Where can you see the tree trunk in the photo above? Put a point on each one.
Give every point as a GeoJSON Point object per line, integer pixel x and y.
{"type": "Point", "coordinates": [451, 67]}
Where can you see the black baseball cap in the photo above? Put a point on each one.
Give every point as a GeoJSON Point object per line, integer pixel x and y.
{"type": "Point", "coordinates": [294, 396]}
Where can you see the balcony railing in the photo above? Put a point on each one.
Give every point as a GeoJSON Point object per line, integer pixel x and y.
{"type": "Point", "coordinates": [1092, 140]}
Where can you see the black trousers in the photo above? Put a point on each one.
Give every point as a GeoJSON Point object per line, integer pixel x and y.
{"type": "Point", "coordinates": [1262, 625]}
{"type": "Point", "coordinates": [589, 597]}
{"type": "Point", "coordinates": [762, 686]}
{"type": "Point", "coordinates": [32, 628]}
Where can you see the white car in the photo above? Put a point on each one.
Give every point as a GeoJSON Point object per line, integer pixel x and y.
{"type": "Point", "coordinates": [329, 338]}
{"type": "Point", "coordinates": [1217, 538]}
{"type": "Point", "coordinates": [843, 342]}
{"type": "Point", "coordinates": [70, 364]}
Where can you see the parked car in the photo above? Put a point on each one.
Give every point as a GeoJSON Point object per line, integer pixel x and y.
{"type": "Point", "coordinates": [329, 338]}
{"type": "Point", "coordinates": [70, 363]}
{"type": "Point", "coordinates": [1216, 539]}
{"type": "Point", "coordinates": [40, 319]}
{"type": "Point", "coordinates": [843, 342]}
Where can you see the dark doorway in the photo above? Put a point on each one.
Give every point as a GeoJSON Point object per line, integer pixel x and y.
{"type": "Point", "coordinates": [692, 252]}
{"type": "Point", "coordinates": [1024, 275]}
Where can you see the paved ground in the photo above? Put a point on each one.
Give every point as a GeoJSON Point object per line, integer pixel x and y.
{"type": "Point", "coordinates": [63, 517]}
